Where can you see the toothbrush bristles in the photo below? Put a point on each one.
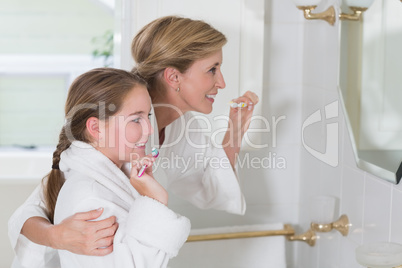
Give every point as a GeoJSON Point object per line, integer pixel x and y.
{"type": "Point", "coordinates": [237, 105]}
{"type": "Point", "coordinates": [154, 152]}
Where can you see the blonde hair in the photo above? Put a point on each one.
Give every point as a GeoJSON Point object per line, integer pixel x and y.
{"type": "Point", "coordinates": [172, 42]}
{"type": "Point", "coordinates": [98, 93]}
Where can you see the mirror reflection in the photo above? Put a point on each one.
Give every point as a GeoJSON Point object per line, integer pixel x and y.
{"type": "Point", "coordinates": [370, 85]}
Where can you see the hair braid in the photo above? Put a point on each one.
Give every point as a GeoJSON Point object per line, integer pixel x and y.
{"type": "Point", "coordinates": [55, 178]}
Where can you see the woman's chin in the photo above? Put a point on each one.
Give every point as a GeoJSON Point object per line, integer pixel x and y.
{"type": "Point", "coordinates": [206, 109]}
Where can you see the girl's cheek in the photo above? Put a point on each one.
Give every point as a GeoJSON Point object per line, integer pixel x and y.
{"type": "Point", "coordinates": [132, 134]}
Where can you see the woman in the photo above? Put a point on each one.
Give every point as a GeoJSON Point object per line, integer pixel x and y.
{"type": "Point", "coordinates": [180, 59]}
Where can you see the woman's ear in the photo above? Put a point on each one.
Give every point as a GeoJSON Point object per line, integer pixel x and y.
{"type": "Point", "coordinates": [171, 77]}
{"type": "Point", "coordinates": [93, 128]}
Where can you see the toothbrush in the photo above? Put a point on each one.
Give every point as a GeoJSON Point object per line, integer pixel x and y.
{"type": "Point", "coordinates": [155, 154]}
{"type": "Point", "coordinates": [238, 105]}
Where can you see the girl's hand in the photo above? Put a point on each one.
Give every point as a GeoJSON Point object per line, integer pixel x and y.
{"type": "Point", "coordinates": [146, 185]}
{"type": "Point", "coordinates": [79, 235]}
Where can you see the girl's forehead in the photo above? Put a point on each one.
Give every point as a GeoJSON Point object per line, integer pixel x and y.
{"type": "Point", "coordinates": [137, 99]}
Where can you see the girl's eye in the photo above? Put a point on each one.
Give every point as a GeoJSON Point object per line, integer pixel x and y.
{"type": "Point", "coordinates": [137, 120]}
{"type": "Point", "coordinates": [213, 70]}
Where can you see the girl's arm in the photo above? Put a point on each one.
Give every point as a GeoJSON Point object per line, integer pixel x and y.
{"type": "Point", "coordinates": [77, 233]}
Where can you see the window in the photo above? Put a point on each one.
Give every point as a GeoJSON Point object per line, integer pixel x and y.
{"type": "Point", "coordinates": [45, 45]}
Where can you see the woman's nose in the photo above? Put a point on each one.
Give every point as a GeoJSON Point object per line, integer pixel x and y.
{"type": "Point", "coordinates": [220, 82]}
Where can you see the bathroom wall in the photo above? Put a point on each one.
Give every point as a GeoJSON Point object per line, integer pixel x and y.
{"type": "Point", "coordinates": [370, 203]}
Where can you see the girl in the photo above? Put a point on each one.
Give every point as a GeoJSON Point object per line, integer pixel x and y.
{"type": "Point", "coordinates": [107, 125]}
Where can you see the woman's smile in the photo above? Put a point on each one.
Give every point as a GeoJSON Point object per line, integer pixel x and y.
{"type": "Point", "coordinates": [211, 97]}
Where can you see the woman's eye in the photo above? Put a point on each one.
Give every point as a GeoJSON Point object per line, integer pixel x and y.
{"type": "Point", "coordinates": [213, 70]}
{"type": "Point", "coordinates": [149, 115]}
{"type": "Point", "coordinates": [137, 120]}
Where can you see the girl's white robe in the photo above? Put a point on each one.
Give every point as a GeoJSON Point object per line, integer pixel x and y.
{"type": "Point", "coordinates": [149, 233]}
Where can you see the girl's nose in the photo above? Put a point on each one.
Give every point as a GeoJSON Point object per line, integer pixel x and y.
{"type": "Point", "coordinates": [148, 128]}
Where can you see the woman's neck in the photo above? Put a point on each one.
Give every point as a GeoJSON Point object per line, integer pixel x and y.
{"type": "Point", "coordinates": [166, 109]}
{"type": "Point", "coordinates": [165, 114]}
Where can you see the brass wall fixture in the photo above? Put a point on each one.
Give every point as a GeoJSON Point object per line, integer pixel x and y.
{"type": "Point", "coordinates": [309, 237]}
{"type": "Point", "coordinates": [341, 225]}
{"type": "Point", "coordinates": [356, 15]}
{"type": "Point", "coordinates": [329, 15]}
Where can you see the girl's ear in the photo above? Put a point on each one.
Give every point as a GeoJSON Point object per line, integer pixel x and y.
{"type": "Point", "coordinates": [93, 128]}
{"type": "Point", "coordinates": [171, 77]}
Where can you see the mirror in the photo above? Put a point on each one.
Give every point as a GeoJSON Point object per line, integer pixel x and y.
{"type": "Point", "coordinates": [370, 86]}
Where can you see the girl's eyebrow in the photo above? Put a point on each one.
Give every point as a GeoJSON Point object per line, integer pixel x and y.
{"type": "Point", "coordinates": [136, 113]}
{"type": "Point", "coordinates": [139, 112]}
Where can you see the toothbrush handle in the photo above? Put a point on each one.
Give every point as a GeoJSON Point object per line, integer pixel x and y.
{"type": "Point", "coordinates": [142, 170]}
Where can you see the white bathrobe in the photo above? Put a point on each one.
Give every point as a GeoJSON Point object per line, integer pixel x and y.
{"type": "Point", "coordinates": [149, 233]}
{"type": "Point", "coordinates": [192, 167]}
{"type": "Point", "coordinates": [205, 185]}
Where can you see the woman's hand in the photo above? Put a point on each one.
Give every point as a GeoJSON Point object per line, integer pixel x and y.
{"type": "Point", "coordinates": [240, 117]}
{"type": "Point", "coordinates": [146, 185]}
{"type": "Point", "coordinates": [239, 121]}
{"type": "Point", "coordinates": [80, 235]}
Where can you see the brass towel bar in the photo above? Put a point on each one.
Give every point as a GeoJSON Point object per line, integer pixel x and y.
{"type": "Point", "coordinates": [287, 231]}
{"type": "Point", "coordinates": [342, 225]}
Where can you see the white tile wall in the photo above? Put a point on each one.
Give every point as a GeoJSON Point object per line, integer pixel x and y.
{"type": "Point", "coordinates": [371, 204]}
{"type": "Point", "coordinates": [396, 216]}
{"type": "Point", "coordinates": [352, 201]}
{"type": "Point", "coordinates": [377, 210]}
